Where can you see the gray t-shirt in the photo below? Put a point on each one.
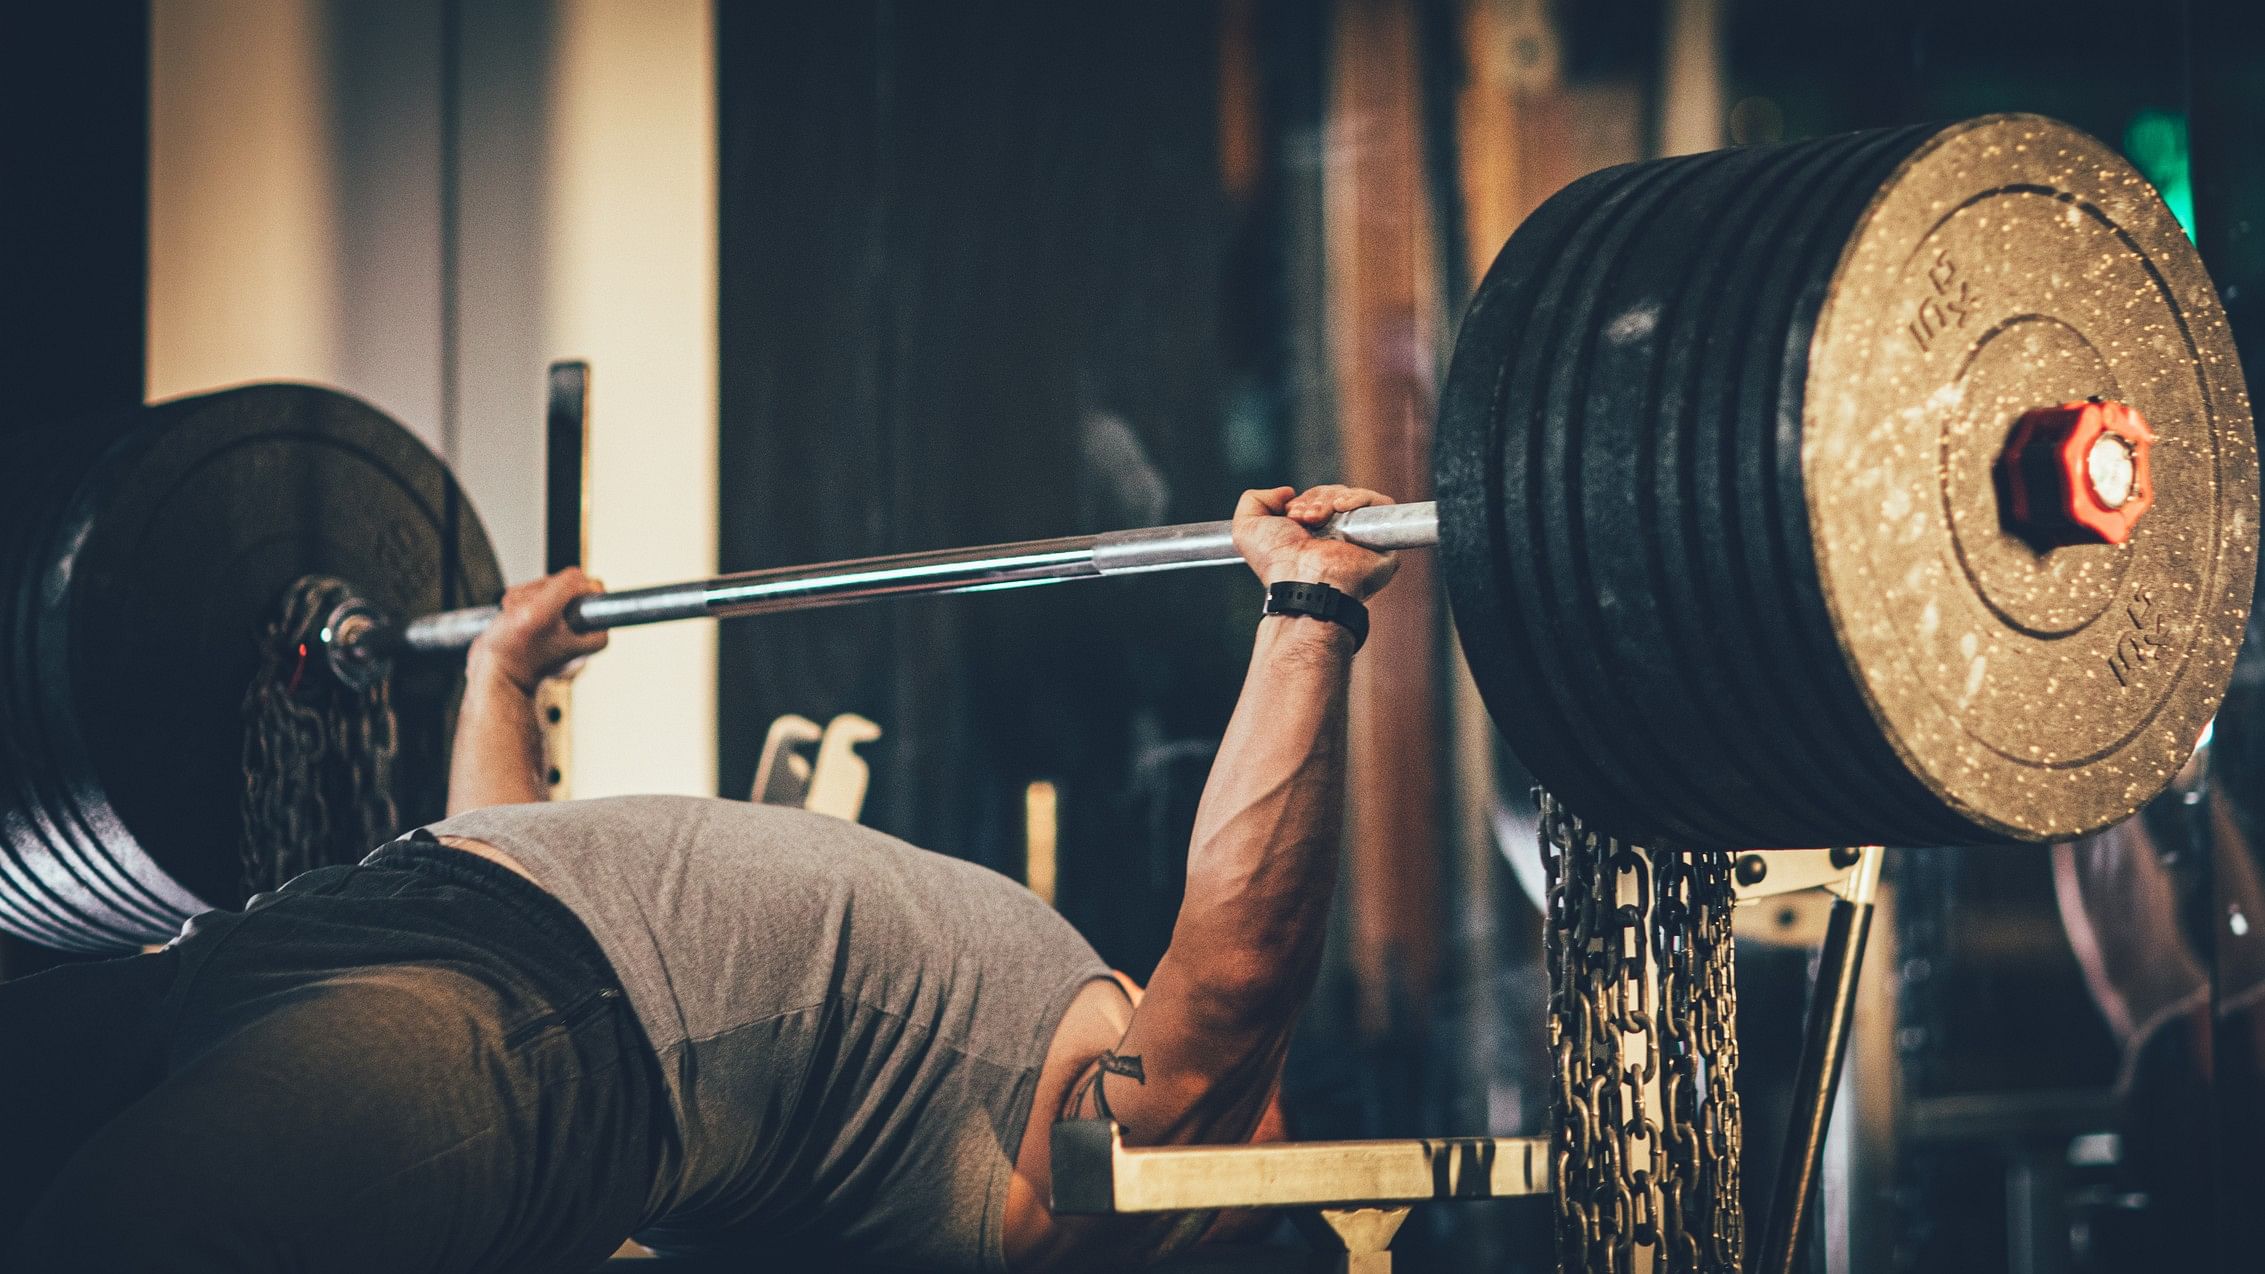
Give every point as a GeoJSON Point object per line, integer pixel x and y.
{"type": "Point", "coordinates": [850, 1028]}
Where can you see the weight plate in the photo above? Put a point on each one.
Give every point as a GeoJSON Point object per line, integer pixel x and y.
{"type": "Point", "coordinates": [1685, 488]}
{"type": "Point", "coordinates": [53, 892]}
{"type": "Point", "coordinates": [2016, 263]}
{"type": "Point", "coordinates": [149, 574]}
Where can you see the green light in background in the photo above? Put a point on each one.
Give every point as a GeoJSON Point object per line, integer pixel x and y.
{"type": "Point", "coordinates": [2156, 142]}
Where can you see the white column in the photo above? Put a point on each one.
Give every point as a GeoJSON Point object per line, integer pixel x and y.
{"type": "Point", "coordinates": [295, 199]}
{"type": "Point", "coordinates": [243, 251]}
{"type": "Point", "coordinates": [1692, 111]}
{"type": "Point", "coordinates": [299, 166]}
{"type": "Point", "coordinates": [631, 286]}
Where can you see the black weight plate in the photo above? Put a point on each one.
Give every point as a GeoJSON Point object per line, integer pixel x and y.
{"type": "Point", "coordinates": [137, 644]}
{"type": "Point", "coordinates": [62, 889]}
{"type": "Point", "coordinates": [1585, 515]}
{"type": "Point", "coordinates": [1738, 710]}
{"type": "Point", "coordinates": [1823, 744]}
{"type": "Point", "coordinates": [1633, 512]}
{"type": "Point", "coordinates": [1670, 296]}
{"type": "Point", "coordinates": [1504, 340]}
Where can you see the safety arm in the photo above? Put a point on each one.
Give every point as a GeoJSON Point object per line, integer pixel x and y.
{"type": "Point", "coordinates": [1204, 1048]}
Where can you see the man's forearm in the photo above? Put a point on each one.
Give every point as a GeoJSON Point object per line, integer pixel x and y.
{"type": "Point", "coordinates": [1262, 865]}
{"type": "Point", "coordinates": [498, 757]}
{"type": "Point", "coordinates": [1203, 1050]}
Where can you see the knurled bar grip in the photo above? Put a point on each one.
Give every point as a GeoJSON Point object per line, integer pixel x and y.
{"type": "Point", "coordinates": [964, 570]}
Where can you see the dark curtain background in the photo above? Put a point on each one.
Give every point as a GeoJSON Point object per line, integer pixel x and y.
{"type": "Point", "coordinates": [74, 81]}
{"type": "Point", "coordinates": [74, 232]}
{"type": "Point", "coordinates": [978, 281]}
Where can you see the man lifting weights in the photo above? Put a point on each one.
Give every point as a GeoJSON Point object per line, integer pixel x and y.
{"type": "Point", "coordinates": [510, 1039]}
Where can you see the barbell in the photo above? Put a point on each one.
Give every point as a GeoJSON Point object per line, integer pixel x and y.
{"type": "Point", "coordinates": [364, 639]}
{"type": "Point", "coordinates": [1896, 487]}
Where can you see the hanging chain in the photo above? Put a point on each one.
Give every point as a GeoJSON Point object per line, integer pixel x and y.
{"type": "Point", "coordinates": [318, 754]}
{"type": "Point", "coordinates": [1642, 1015]}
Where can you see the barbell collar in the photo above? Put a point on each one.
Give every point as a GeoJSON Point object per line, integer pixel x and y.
{"type": "Point", "coordinates": [1384, 528]}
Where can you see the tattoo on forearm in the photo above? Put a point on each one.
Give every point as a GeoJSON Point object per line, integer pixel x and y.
{"type": "Point", "coordinates": [1109, 1063]}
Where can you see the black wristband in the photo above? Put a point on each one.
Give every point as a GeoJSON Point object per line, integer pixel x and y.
{"type": "Point", "coordinates": [1294, 597]}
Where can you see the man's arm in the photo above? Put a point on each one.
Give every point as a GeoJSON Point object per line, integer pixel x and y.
{"type": "Point", "coordinates": [1204, 1049]}
{"type": "Point", "coordinates": [498, 758]}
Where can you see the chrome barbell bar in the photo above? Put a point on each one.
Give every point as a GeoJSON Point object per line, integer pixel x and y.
{"type": "Point", "coordinates": [360, 640]}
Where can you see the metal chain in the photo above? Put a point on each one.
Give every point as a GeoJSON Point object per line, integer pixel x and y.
{"type": "Point", "coordinates": [318, 755]}
{"type": "Point", "coordinates": [1927, 884]}
{"type": "Point", "coordinates": [1642, 1036]}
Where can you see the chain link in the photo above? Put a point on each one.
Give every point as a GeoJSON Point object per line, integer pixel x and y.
{"type": "Point", "coordinates": [1642, 1035]}
{"type": "Point", "coordinates": [318, 755]}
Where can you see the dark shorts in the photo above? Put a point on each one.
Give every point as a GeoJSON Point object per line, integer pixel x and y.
{"type": "Point", "coordinates": [420, 1063]}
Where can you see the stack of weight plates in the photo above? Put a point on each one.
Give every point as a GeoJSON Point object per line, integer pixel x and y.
{"type": "Point", "coordinates": [139, 561]}
{"type": "Point", "coordinates": [1715, 479]}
